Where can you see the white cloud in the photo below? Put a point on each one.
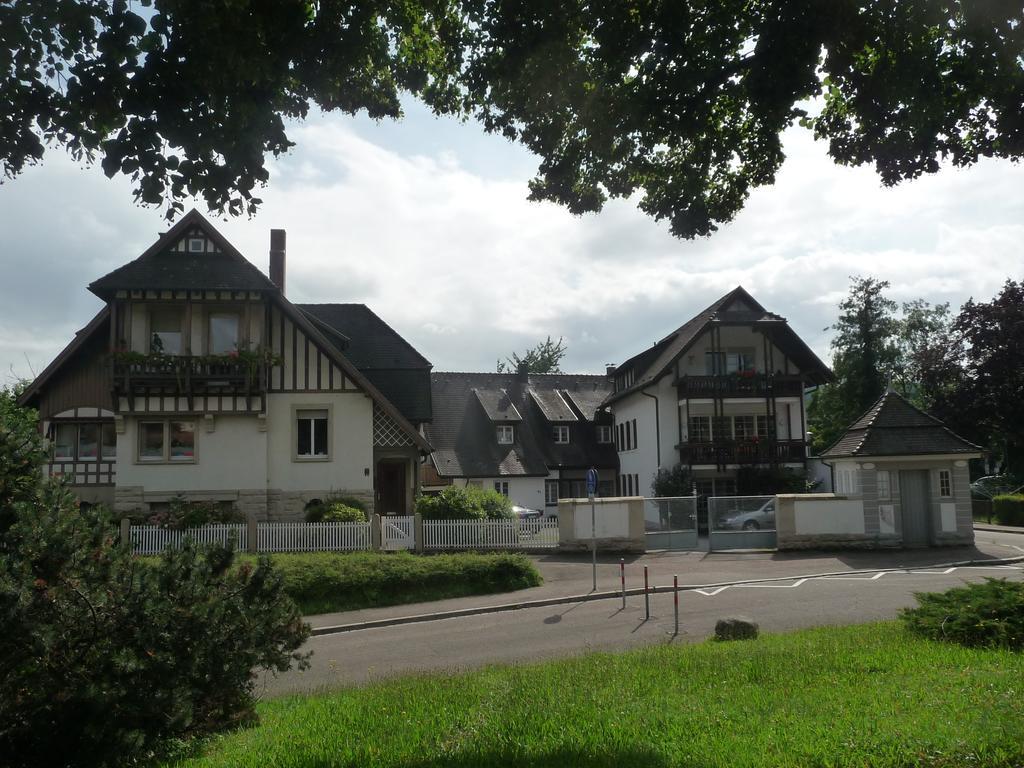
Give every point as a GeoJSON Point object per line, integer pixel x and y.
{"type": "Point", "coordinates": [461, 264]}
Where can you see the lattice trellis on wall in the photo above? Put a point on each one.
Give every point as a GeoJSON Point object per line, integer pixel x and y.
{"type": "Point", "coordinates": [386, 433]}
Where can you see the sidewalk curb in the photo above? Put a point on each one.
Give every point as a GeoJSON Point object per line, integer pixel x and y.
{"type": "Point", "coordinates": [992, 528]}
{"type": "Point", "coordinates": [617, 595]}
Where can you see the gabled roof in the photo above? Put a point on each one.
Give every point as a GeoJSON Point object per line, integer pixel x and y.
{"type": "Point", "coordinates": [376, 349]}
{"type": "Point", "coordinates": [895, 427]}
{"type": "Point", "coordinates": [97, 325]}
{"type": "Point", "coordinates": [160, 268]}
{"type": "Point", "coordinates": [497, 405]}
{"type": "Point", "coordinates": [734, 308]}
{"type": "Point", "coordinates": [466, 412]}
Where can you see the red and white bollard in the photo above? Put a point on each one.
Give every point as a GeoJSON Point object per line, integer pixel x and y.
{"type": "Point", "coordinates": [647, 596]}
{"type": "Point", "coordinates": [675, 600]}
{"type": "Point", "coordinates": [622, 577]}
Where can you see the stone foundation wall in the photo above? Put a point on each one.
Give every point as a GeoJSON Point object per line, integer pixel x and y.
{"type": "Point", "coordinates": [290, 506]}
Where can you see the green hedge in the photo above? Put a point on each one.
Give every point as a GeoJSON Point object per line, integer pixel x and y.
{"type": "Point", "coordinates": [324, 582]}
{"type": "Point", "coordinates": [989, 614]}
{"type": "Point", "coordinates": [1008, 509]}
{"type": "Point", "coordinates": [464, 503]}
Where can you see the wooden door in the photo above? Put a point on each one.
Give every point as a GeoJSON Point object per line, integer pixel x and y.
{"type": "Point", "coordinates": [391, 487]}
{"type": "Point", "coordinates": [914, 504]}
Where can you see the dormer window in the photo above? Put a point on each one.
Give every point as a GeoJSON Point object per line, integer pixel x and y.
{"type": "Point", "coordinates": [165, 330]}
{"type": "Point", "coordinates": [196, 244]}
{"type": "Point", "coordinates": [506, 434]}
{"type": "Point", "coordinates": [560, 434]}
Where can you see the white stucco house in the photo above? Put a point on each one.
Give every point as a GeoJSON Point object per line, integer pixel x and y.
{"type": "Point", "coordinates": [199, 378]}
{"type": "Point", "coordinates": [722, 392]}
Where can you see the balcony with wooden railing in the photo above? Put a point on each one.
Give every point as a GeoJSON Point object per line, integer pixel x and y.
{"type": "Point", "coordinates": [188, 375]}
{"type": "Point", "coordinates": [740, 384]}
{"type": "Point", "coordinates": [762, 451]}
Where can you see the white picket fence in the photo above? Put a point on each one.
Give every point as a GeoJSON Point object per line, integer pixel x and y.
{"type": "Point", "coordinates": [490, 534]}
{"type": "Point", "coordinates": [397, 533]}
{"type": "Point", "coordinates": [152, 539]}
{"type": "Point", "coordinates": [313, 537]}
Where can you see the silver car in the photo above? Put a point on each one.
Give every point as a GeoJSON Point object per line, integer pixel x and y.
{"type": "Point", "coordinates": [526, 513]}
{"type": "Point", "coordinates": [754, 520]}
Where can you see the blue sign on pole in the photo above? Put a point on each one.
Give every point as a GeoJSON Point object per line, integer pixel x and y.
{"type": "Point", "coordinates": [591, 481]}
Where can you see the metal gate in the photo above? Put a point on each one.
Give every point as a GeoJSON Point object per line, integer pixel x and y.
{"type": "Point", "coordinates": [671, 523]}
{"type": "Point", "coordinates": [397, 532]}
{"type": "Point", "coordinates": [741, 522]}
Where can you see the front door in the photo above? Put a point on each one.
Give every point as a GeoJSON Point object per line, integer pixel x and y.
{"type": "Point", "coordinates": [914, 501]}
{"type": "Point", "coordinates": [391, 487]}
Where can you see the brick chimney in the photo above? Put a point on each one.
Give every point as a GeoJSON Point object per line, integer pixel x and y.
{"type": "Point", "coordinates": [277, 248]}
{"type": "Point", "coordinates": [610, 369]}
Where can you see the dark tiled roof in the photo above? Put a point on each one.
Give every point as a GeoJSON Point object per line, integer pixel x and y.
{"type": "Point", "coordinates": [552, 405]}
{"type": "Point", "coordinates": [497, 404]}
{"type": "Point", "coordinates": [463, 432]}
{"type": "Point", "coordinates": [736, 307]}
{"type": "Point", "coordinates": [587, 401]}
{"type": "Point", "coordinates": [393, 365]}
{"type": "Point", "coordinates": [160, 268]}
{"type": "Point", "coordinates": [894, 427]}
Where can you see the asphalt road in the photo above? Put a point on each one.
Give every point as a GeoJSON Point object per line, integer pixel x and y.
{"type": "Point", "coordinates": [451, 645]}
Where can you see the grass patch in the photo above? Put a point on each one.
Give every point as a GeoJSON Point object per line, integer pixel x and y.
{"type": "Point", "coordinates": [324, 582]}
{"type": "Point", "coordinates": [850, 696]}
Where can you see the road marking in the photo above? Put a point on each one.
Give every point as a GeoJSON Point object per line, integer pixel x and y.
{"type": "Point", "coordinates": [711, 592]}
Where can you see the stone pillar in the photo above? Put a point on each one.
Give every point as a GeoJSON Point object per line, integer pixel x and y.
{"type": "Point", "coordinates": [252, 534]}
{"type": "Point", "coordinates": [417, 531]}
{"type": "Point", "coordinates": [375, 532]}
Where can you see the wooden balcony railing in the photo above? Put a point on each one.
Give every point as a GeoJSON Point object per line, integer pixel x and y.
{"type": "Point", "coordinates": [740, 385]}
{"type": "Point", "coordinates": [189, 375]}
{"type": "Point", "coordinates": [764, 451]}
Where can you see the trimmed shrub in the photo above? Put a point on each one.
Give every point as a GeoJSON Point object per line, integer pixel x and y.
{"type": "Point", "coordinates": [464, 503]}
{"type": "Point", "coordinates": [322, 582]}
{"type": "Point", "coordinates": [181, 514]}
{"type": "Point", "coordinates": [990, 614]}
{"type": "Point", "coordinates": [342, 513]}
{"type": "Point", "coordinates": [316, 511]}
{"type": "Point", "coordinates": [106, 660]}
{"type": "Point", "coordinates": [494, 505]}
{"type": "Point", "coordinates": [1008, 509]}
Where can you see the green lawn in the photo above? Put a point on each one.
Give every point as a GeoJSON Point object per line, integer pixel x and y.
{"type": "Point", "coordinates": [852, 696]}
{"type": "Point", "coordinates": [324, 582]}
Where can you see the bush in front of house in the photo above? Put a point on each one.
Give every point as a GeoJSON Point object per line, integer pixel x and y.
{"type": "Point", "coordinates": [464, 503]}
{"type": "Point", "coordinates": [323, 582]}
{"type": "Point", "coordinates": [182, 514]}
{"type": "Point", "coordinates": [330, 510]}
{"type": "Point", "coordinates": [107, 660]}
{"type": "Point", "coordinates": [1008, 509]}
{"type": "Point", "coordinates": [989, 614]}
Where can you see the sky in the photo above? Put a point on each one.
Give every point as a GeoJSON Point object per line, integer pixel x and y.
{"type": "Point", "coordinates": [426, 221]}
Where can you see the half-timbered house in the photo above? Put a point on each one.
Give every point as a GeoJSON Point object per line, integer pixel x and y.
{"type": "Point", "coordinates": [199, 378]}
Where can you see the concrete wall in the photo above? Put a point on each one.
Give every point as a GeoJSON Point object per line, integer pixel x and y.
{"type": "Point", "coordinates": [833, 521]}
{"type": "Point", "coordinates": [619, 524]}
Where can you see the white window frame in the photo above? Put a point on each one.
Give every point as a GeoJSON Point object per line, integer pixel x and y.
{"type": "Point", "coordinates": [604, 433]}
{"type": "Point", "coordinates": [506, 434]}
{"type": "Point", "coordinates": [884, 480]}
{"type": "Point", "coordinates": [501, 486]}
{"type": "Point", "coordinates": [550, 500]}
{"type": "Point", "coordinates": [183, 343]}
{"type": "Point", "coordinates": [297, 413]}
{"type": "Point", "coordinates": [691, 431]}
{"type": "Point", "coordinates": [752, 432]}
{"type": "Point", "coordinates": [166, 457]}
{"type": "Point", "coordinates": [209, 330]}
{"type": "Point", "coordinates": [560, 434]}
{"type": "Point", "coordinates": [945, 484]}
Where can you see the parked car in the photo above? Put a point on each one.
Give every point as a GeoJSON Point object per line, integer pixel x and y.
{"type": "Point", "coordinates": [754, 520]}
{"type": "Point", "coordinates": [526, 513]}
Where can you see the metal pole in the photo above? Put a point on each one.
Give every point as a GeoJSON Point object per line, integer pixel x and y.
{"type": "Point", "coordinates": [622, 576]}
{"type": "Point", "coordinates": [593, 540]}
{"type": "Point", "coordinates": [647, 596]}
{"type": "Point", "coordinates": [675, 599]}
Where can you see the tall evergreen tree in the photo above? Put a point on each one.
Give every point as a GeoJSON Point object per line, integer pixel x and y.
{"type": "Point", "coordinates": [864, 359]}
